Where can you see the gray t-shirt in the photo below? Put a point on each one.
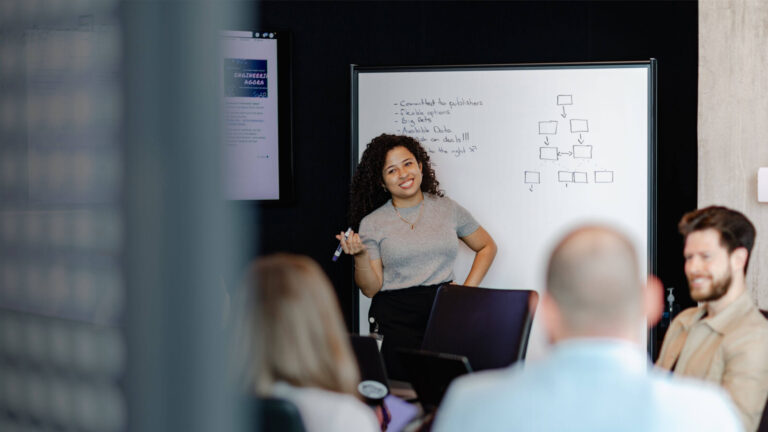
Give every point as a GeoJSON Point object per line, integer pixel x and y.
{"type": "Point", "coordinates": [424, 255]}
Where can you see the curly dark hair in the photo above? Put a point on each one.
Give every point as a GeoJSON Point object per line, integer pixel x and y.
{"type": "Point", "coordinates": [366, 193]}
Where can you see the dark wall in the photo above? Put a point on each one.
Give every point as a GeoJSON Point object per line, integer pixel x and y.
{"type": "Point", "coordinates": [329, 36]}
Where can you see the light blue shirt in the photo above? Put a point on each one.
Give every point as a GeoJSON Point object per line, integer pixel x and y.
{"type": "Point", "coordinates": [585, 385]}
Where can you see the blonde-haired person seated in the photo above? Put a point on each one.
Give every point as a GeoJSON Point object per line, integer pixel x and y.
{"type": "Point", "coordinates": [302, 351]}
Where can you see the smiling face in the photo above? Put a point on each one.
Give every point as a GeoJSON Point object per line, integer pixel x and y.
{"type": "Point", "coordinates": [402, 177]}
{"type": "Point", "coordinates": [708, 265]}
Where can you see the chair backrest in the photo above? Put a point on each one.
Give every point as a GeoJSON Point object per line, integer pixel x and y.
{"type": "Point", "coordinates": [488, 326]}
{"type": "Point", "coordinates": [277, 415]}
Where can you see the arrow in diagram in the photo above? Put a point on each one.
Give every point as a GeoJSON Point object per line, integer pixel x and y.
{"type": "Point", "coordinates": [581, 140]}
{"type": "Point", "coordinates": [563, 115]}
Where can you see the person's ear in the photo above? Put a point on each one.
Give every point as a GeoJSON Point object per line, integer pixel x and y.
{"type": "Point", "coordinates": [653, 298]}
{"type": "Point", "coordinates": [552, 318]}
{"type": "Point", "coordinates": [739, 259]}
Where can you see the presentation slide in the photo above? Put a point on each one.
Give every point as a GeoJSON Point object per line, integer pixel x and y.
{"type": "Point", "coordinates": [250, 121]}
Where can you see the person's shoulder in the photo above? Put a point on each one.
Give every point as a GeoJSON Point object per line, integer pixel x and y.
{"type": "Point", "coordinates": [672, 386]}
{"type": "Point", "coordinates": [481, 390]}
{"type": "Point", "coordinates": [326, 410]}
{"type": "Point", "coordinates": [756, 322]}
{"type": "Point", "coordinates": [688, 313]}
{"type": "Point", "coordinates": [482, 382]}
{"type": "Point", "coordinates": [699, 404]}
{"type": "Point", "coordinates": [376, 214]}
{"type": "Point", "coordinates": [472, 401]}
{"type": "Point", "coordinates": [742, 316]}
{"type": "Point", "coordinates": [749, 329]}
{"type": "Point", "coordinates": [756, 319]}
{"type": "Point", "coordinates": [444, 203]}
{"type": "Point", "coordinates": [687, 316]}
{"type": "Point", "coordinates": [354, 415]}
{"type": "Point", "coordinates": [382, 208]}
{"type": "Point", "coordinates": [438, 199]}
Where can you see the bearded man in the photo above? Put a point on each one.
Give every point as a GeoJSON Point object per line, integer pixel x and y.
{"type": "Point", "coordinates": [725, 338]}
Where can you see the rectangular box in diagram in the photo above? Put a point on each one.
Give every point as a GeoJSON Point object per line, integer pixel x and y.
{"type": "Point", "coordinates": [579, 125]}
{"type": "Point", "coordinates": [603, 176]}
{"type": "Point", "coordinates": [548, 127]}
{"type": "Point", "coordinates": [533, 177]}
{"type": "Point", "coordinates": [580, 177]}
{"type": "Point", "coordinates": [564, 99]}
{"type": "Point", "coordinates": [565, 177]}
{"type": "Point", "coordinates": [548, 153]}
{"type": "Point", "coordinates": [582, 151]}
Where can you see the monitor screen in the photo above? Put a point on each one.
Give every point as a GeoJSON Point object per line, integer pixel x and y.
{"type": "Point", "coordinates": [255, 88]}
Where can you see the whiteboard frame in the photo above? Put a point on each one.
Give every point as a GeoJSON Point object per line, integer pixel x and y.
{"type": "Point", "coordinates": [652, 67]}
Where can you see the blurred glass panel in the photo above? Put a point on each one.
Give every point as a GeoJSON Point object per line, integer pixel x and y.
{"type": "Point", "coordinates": [62, 342]}
{"type": "Point", "coordinates": [114, 237]}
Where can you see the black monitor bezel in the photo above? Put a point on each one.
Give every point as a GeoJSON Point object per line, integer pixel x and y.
{"type": "Point", "coordinates": [286, 193]}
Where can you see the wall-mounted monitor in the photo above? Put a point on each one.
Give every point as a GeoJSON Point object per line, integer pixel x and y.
{"type": "Point", "coordinates": [256, 115]}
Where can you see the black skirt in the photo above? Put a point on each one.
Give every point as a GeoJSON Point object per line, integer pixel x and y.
{"type": "Point", "coordinates": [401, 316]}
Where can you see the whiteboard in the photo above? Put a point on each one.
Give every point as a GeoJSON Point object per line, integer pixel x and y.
{"type": "Point", "coordinates": [530, 150]}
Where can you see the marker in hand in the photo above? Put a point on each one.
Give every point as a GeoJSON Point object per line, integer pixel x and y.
{"type": "Point", "coordinates": [337, 254]}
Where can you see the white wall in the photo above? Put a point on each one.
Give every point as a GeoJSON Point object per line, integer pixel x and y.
{"type": "Point", "coordinates": [733, 117]}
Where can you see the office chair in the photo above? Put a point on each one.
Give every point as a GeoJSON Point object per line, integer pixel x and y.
{"type": "Point", "coordinates": [277, 415]}
{"type": "Point", "coordinates": [488, 326]}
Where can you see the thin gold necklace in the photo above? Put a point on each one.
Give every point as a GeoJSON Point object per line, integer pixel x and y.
{"type": "Point", "coordinates": [412, 224]}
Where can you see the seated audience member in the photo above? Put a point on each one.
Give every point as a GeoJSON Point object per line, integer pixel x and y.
{"type": "Point", "coordinates": [725, 339]}
{"type": "Point", "coordinates": [598, 376]}
{"type": "Point", "coordinates": [302, 351]}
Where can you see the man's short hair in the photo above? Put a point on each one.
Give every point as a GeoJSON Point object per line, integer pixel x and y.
{"type": "Point", "coordinates": [735, 229]}
{"type": "Point", "coordinates": [595, 279]}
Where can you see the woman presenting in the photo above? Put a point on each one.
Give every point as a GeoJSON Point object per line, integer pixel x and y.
{"type": "Point", "coordinates": [407, 242]}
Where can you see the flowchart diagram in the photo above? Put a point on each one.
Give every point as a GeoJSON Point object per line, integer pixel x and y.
{"type": "Point", "coordinates": [578, 150]}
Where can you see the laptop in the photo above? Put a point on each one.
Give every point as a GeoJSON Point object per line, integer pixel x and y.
{"type": "Point", "coordinates": [431, 373]}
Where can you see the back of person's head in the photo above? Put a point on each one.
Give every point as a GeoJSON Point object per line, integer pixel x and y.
{"type": "Point", "coordinates": [735, 229]}
{"type": "Point", "coordinates": [299, 335]}
{"type": "Point", "coordinates": [594, 278]}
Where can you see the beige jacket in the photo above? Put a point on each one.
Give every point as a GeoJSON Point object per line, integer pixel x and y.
{"type": "Point", "coordinates": [730, 349]}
